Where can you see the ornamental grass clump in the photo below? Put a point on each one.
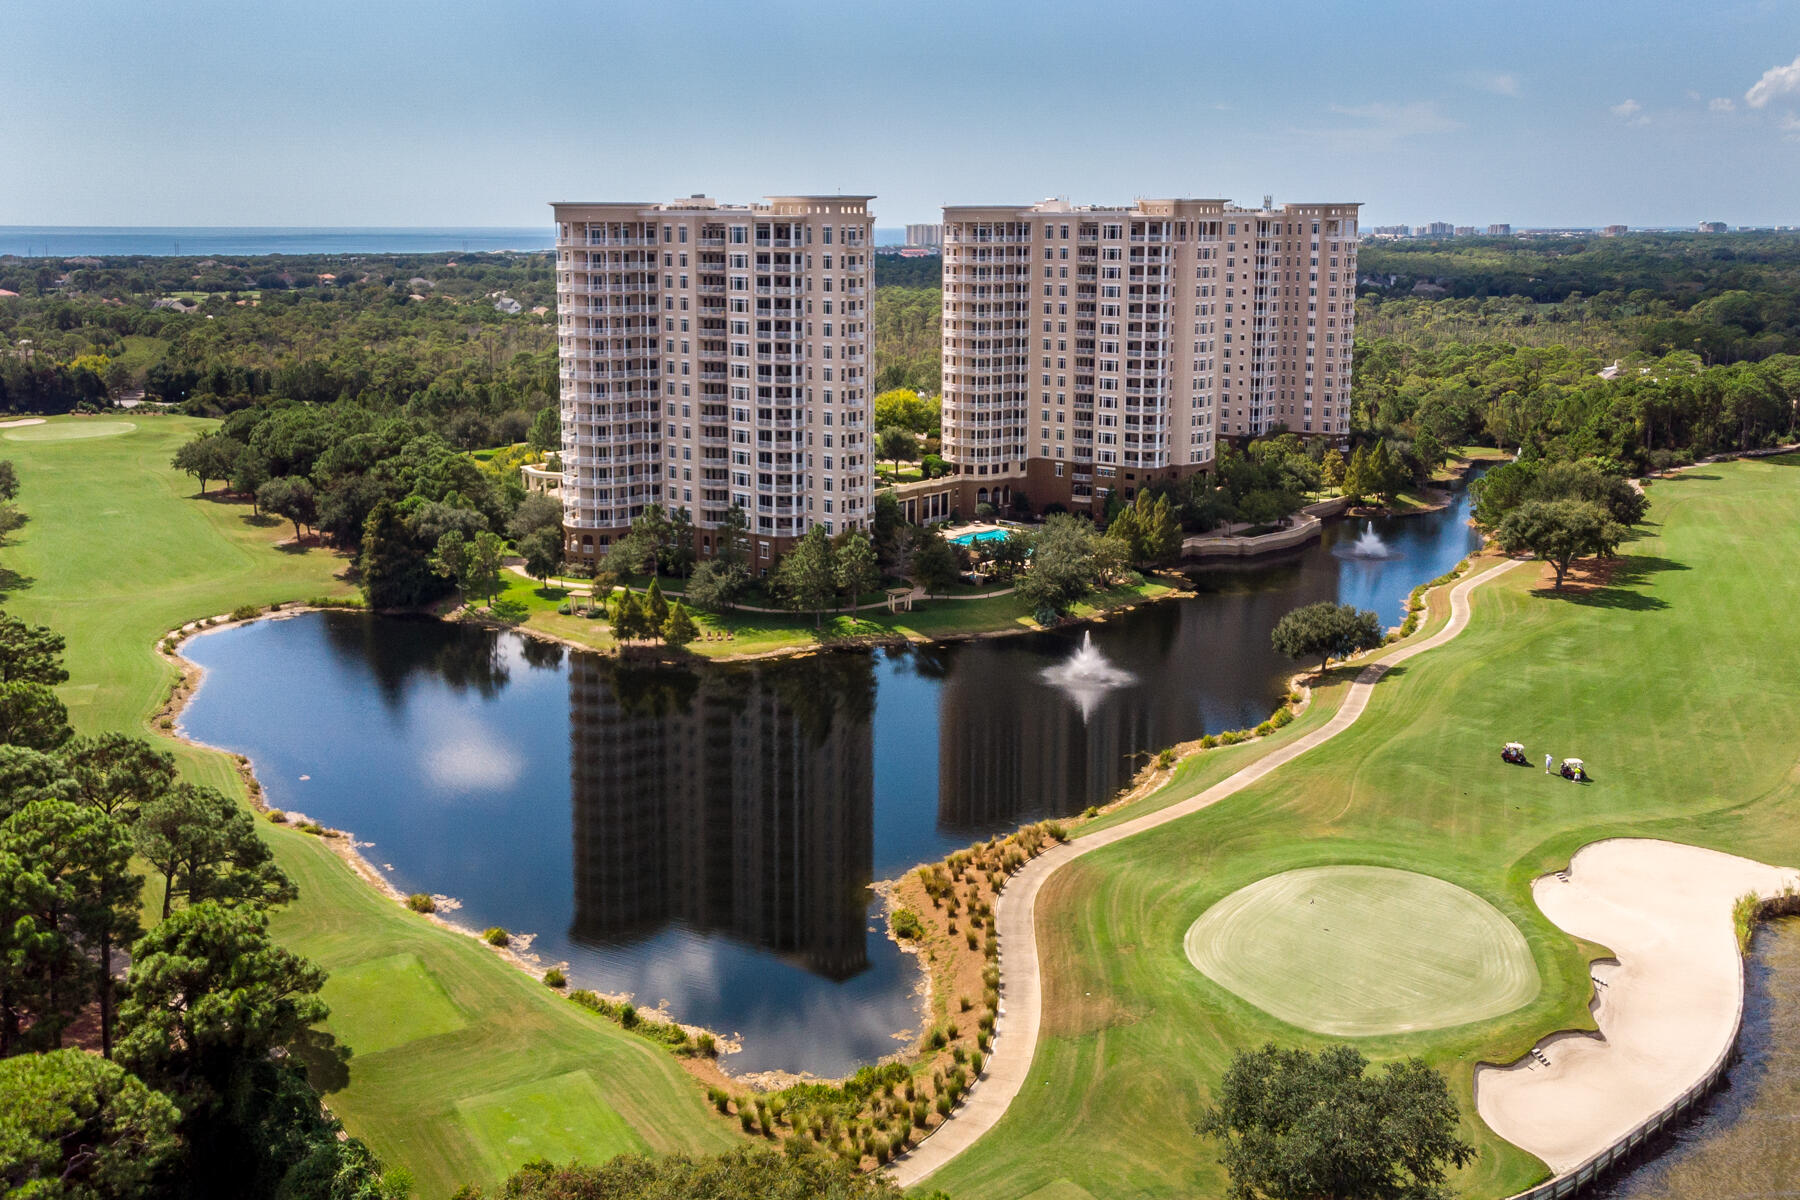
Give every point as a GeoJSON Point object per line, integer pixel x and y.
{"type": "Point", "coordinates": [419, 902]}
{"type": "Point", "coordinates": [496, 936]}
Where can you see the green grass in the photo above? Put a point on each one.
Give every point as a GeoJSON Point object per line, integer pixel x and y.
{"type": "Point", "coordinates": [366, 1022]}
{"type": "Point", "coordinates": [570, 1119]}
{"type": "Point", "coordinates": [68, 430]}
{"type": "Point", "coordinates": [118, 551]}
{"type": "Point", "coordinates": [1667, 679]}
{"type": "Point", "coordinates": [1355, 951]}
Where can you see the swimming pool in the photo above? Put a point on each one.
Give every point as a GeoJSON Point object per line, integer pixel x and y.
{"type": "Point", "coordinates": [985, 535]}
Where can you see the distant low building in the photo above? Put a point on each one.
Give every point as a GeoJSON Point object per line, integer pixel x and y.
{"type": "Point", "coordinates": [1712, 227]}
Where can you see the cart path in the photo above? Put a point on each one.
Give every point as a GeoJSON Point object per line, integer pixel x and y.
{"type": "Point", "coordinates": [1021, 983]}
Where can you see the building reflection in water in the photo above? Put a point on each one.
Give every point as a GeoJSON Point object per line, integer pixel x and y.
{"type": "Point", "coordinates": [737, 801]}
{"type": "Point", "coordinates": [1015, 748]}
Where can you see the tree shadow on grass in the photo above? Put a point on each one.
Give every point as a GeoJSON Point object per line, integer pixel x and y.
{"type": "Point", "coordinates": [11, 581]}
{"type": "Point", "coordinates": [327, 1063]}
{"type": "Point", "coordinates": [260, 520]}
{"type": "Point", "coordinates": [1614, 583]}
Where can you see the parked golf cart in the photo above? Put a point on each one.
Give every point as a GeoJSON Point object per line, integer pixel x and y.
{"type": "Point", "coordinates": [1573, 769]}
{"type": "Point", "coordinates": [1513, 752]}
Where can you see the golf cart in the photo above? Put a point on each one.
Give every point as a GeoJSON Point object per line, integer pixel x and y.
{"type": "Point", "coordinates": [1573, 769]}
{"type": "Point", "coordinates": [1513, 752]}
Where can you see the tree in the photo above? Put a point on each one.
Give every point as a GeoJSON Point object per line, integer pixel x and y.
{"type": "Point", "coordinates": [538, 510]}
{"type": "Point", "coordinates": [1063, 567]}
{"type": "Point", "coordinates": [806, 576]}
{"type": "Point", "coordinates": [905, 409]}
{"type": "Point", "coordinates": [32, 716]}
{"type": "Point", "coordinates": [209, 456]}
{"type": "Point", "coordinates": [395, 571]}
{"type": "Point", "coordinates": [546, 430]}
{"type": "Point", "coordinates": [716, 585]}
{"type": "Point", "coordinates": [292, 497]}
{"type": "Point", "coordinates": [9, 480]}
{"type": "Point", "coordinates": [68, 893]}
{"type": "Point", "coordinates": [1357, 477]}
{"type": "Point", "coordinates": [1385, 475]}
{"type": "Point", "coordinates": [894, 444]}
{"type": "Point", "coordinates": [628, 617]}
{"type": "Point", "coordinates": [204, 845]}
{"type": "Point", "coordinates": [1302, 1126]}
{"type": "Point", "coordinates": [734, 538]}
{"type": "Point", "coordinates": [1332, 467]}
{"type": "Point", "coordinates": [543, 552]}
{"type": "Point", "coordinates": [1559, 532]}
{"type": "Point", "coordinates": [656, 609]}
{"type": "Point", "coordinates": [209, 995]}
{"type": "Point", "coordinates": [30, 653]}
{"type": "Point", "coordinates": [854, 564]}
{"type": "Point", "coordinates": [677, 554]}
{"type": "Point", "coordinates": [27, 775]}
{"type": "Point", "coordinates": [1325, 630]}
{"type": "Point", "coordinates": [679, 629]}
{"type": "Point", "coordinates": [78, 1127]}
{"type": "Point", "coordinates": [934, 564]}
{"type": "Point", "coordinates": [474, 564]}
{"type": "Point", "coordinates": [117, 773]}
{"type": "Point", "coordinates": [747, 1173]}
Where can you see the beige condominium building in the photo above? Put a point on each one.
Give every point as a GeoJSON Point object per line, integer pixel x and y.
{"type": "Point", "coordinates": [1088, 350]}
{"type": "Point", "coordinates": [715, 354]}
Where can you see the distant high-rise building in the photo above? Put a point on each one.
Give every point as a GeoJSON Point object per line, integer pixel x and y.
{"type": "Point", "coordinates": [1500, 229]}
{"type": "Point", "coordinates": [1712, 227]}
{"type": "Point", "coordinates": [927, 236]}
{"type": "Point", "coordinates": [715, 355]}
{"type": "Point", "coordinates": [1612, 231]}
{"type": "Point", "coordinates": [1090, 350]}
{"type": "Point", "coordinates": [1438, 229]}
{"type": "Point", "coordinates": [1466, 231]}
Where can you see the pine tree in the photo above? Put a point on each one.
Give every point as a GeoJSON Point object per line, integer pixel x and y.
{"type": "Point", "coordinates": [1332, 467]}
{"type": "Point", "coordinates": [656, 609]}
{"type": "Point", "coordinates": [1356, 476]}
{"type": "Point", "coordinates": [679, 629]}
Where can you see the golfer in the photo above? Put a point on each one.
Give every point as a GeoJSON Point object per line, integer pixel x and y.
{"type": "Point", "coordinates": [1546, 764]}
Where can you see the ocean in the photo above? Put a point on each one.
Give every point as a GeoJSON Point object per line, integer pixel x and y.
{"type": "Point", "coordinates": [199, 241]}
{"type": "Point", "coordinates": [99, 241]}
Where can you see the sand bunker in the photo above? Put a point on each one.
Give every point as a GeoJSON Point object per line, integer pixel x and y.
{"type": "Point", "coordinates": [1357, 951]}
{"type": "Point", "coordinates": [1667, 1009]}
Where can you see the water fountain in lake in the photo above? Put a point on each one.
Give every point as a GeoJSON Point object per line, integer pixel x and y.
{"type": "Point", "coordinates": [1085, 676]}
{"type": "Point", "coordinates": [1367, 545]}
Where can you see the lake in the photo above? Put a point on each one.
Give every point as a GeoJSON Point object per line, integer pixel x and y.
{"type": "Point", "coordinates": [706, 837]}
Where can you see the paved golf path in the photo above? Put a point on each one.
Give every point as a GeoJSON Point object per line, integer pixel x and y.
{"type": "Point", "coordinates": [1021, 983]}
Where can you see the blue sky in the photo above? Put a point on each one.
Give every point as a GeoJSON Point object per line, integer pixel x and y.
{"type": "Point", "coordinates": [373, 112]}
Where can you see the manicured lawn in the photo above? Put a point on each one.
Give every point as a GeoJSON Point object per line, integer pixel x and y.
{"type": "Point", "coordinates": [1667, 678]}
{"type": "Point", "coordinates": [117, 552]}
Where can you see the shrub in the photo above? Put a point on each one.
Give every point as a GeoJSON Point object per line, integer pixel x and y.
{"type": "Point", "coordinates": [974, 940]}
{"type": "Point", "coordinates": [555, 978]}
{"type": "Point", "coordinates": [1283, 717]}
{"type": "Point", "coordinates": [628, 1016]}
{"type": "Point", "coordinates": [977, 1060]}
{"type": "Point", "coordinates": [906, 924]}
{"type": "Point", "coordinates": [1090, 812]}
{"type": "Point", "coordinates": [496, 936]}
{"type": "Point", "coordinates": [943, 1104]}
{"type": "Point", "coordinates": [1165, 758]}
{"type": "Point", "coordinates": [312, 827]}
{"type": "Point", "coordinates": [1265, 729]}
{"type": "Point", "coordinates": [1231, 737]}
{"type": "Point", "coordinates": [277, 817]}
{"type": "Point", "coordinates": [246, 612]}
{"type": "Point", "coordinates": [419, 902]}
{"type": "Point", "coordinates": [966, 1003]}
{"type": "Point", "coordinates": [706, 1045]}
{"type": "Point", "coordinates": [1209, 741]}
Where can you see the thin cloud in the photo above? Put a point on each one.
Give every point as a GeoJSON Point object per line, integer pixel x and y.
{"type": "Point", "coordinates": [1500, 83]}
{"type": "Point", "coordinates": [1790, 127]}
{"type": "Point", "coordinates": [1721, 104]}
{"type": "Point", "coordinates": [1630, 112]}
{"type": "Point", "coordinates": [1379, 125]}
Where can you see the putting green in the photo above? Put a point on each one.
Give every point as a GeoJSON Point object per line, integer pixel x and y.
{"type": "Point", "coordinates": [67, 431]}
{"type": "Point", "coordinates": [1360, 951]}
